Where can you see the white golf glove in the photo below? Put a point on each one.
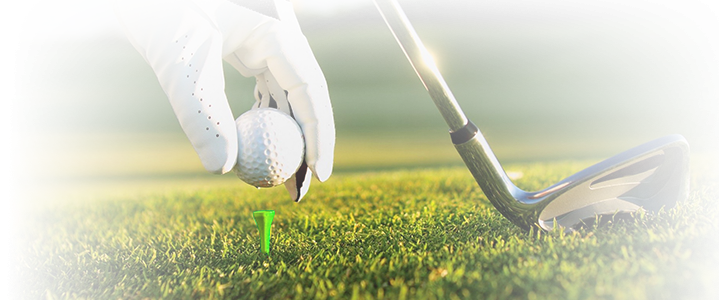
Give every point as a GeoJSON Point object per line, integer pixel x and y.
{"type": "Point", "coordinates": [185, 41]}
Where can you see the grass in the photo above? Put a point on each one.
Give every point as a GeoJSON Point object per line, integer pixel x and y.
{"type": "Point", "coordinates": [144, 224]}
{"type": "Point", "coordinates": [402, 234]}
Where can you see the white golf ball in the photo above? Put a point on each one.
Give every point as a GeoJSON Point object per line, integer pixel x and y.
{"type": "Point", "coordinates": [271, 147]}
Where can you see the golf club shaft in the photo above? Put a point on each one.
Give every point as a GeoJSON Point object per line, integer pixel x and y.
{"type": "Point", "coordinates": [467, 138]}
{"type": "Point", "coordinates": [422, 63]}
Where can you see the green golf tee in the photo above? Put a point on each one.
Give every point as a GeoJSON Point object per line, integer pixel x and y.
{"type": "Point", "coordinates": [263, 220]}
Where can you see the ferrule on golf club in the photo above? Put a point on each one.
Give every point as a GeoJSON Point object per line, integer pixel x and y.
{"type": "Point", "coordinates": [651, 176]}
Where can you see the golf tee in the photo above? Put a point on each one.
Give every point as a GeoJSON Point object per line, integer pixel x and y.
{"type": "Point", "coordinates": [263, 220]}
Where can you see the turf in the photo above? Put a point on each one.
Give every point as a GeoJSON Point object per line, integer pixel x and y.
{"type": "Point", "coordinates": [402, 234]}
{"type": "Point", "coordinates": [145, 225]}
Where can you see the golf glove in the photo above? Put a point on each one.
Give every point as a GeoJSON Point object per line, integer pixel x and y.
{"type": "Point", "coordinates": [185, 41]}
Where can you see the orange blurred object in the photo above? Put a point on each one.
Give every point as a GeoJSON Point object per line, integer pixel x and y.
{"type": "Point", "coordinates": [14, 216]}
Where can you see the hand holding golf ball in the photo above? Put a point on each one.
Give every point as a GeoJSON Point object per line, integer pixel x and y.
{"type": "Point", "coordinates": [185, 42]}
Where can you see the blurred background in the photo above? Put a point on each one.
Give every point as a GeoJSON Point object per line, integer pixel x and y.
{"type": "Point", "coordinates": [544, 80]}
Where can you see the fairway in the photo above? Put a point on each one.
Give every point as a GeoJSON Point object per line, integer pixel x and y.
{"type": "Point", "coordinates": [105, 198]}
{"type": "Point", "coordinates": [403, 234]}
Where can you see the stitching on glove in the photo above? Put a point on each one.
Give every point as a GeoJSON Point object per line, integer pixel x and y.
{"type": "Point", "coordinates": [238, 60]}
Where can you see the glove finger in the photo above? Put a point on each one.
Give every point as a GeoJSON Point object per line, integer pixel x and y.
{"type": "Point", "coordinates": [275, 97]}
{"type": "Point", "coordinates": [296, 70]}
{"type": "Point", "coordinates": [311, 107]}
{"type": "Point", "coordinates": [261, 92]}
{"type": "Point", "coordinates": [184, 49]}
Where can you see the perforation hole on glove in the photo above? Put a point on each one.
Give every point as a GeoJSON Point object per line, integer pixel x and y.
{"type": "Point", "coordinates": [187, 53]}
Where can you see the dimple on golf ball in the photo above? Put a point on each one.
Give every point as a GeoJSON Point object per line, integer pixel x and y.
{"type": "Point", "coordinates": [271, 147]}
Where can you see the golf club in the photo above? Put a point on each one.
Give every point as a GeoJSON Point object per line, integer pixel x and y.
{"type": "Point", "coordinates": [650, 177]}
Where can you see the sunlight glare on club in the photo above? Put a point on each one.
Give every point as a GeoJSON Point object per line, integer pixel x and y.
{"type": "Point", "coordinates": [429, 60]}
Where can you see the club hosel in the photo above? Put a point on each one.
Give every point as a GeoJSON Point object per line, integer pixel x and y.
{"type": "Point", "coordinates": [489, 174]}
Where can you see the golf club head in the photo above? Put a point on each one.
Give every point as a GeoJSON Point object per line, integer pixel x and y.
{"type": "Point", "coordinates": [651, 176]}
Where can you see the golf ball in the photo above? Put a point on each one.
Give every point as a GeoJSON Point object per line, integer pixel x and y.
{"type": "Point", "coordinates": [271, 147]}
